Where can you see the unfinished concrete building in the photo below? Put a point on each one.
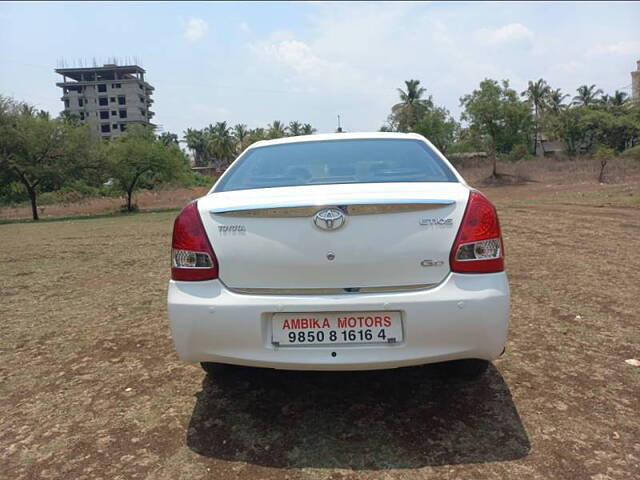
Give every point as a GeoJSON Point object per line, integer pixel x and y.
{"type": "Point", "coordinates": [635, 83]}
{"type": "Point", "coordinates": [107, 98]}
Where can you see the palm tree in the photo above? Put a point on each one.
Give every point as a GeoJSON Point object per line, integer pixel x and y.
{"type": "Point", "coordinates": [221, 144]}
{"type": "Point", "coordinates": [295, 128]}
{"type": "Point", "coordinates": [197, 142]}
{"type": "Point", "coordinates": [255, 135]}
{"type": "Point", "coordinates": [240, 133]}
{"type": "Point", "coordinates": [307, 129]}
{"type": "Point", "coordinates": [276, 129]}
{"type": "Point", "coordinates": [536, 94]}
{"type": "Point", "coordinates": [408, 110]}
{"type": "Point", "coordinates": [555, 99]}
{"type": "Point", "coordinates": [168, 138]}
{"type": "Point", "coordinates": [413, 95]}
{"type": "Point", "coordinates": [613, 102]}
{"type": "Point", "coordinates": [587, 95]}
{"type": "Point", "coordinates": [619, 98]}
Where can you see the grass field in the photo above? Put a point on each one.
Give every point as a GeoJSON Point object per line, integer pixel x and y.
{"type": "Point", "coordinates": [90, 386]}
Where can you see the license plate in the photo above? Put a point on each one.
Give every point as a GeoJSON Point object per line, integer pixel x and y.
{"type": "Point", "coordinates": [333, 328]}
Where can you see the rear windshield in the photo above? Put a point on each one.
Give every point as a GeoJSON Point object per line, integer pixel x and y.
{"type": "Point", "coordinates": [336, 161]}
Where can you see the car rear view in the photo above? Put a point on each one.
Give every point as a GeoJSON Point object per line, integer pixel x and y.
{"type": "Point", "coordinates": [339, 252]}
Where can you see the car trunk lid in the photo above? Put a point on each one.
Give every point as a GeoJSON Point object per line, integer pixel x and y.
{"type": "Point", "coordinates": [393, 236]}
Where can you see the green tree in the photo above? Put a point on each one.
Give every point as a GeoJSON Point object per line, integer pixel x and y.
{"type": "Point", "coordinates": [138, 156]}
{"type": "Point", "coordinates": [196, 141]}
{"type": "Point", "coordinates": [256, 135]}
{"type": "Point", "coordinates": [556, 99]}
{"type": "Point", "coordinates": [537, 94]}
{"type": "Point", "coordinates": [307, 129]}
{"type": "Point", "coordinates": [565, 125]}
{"type": "Point", "coordinates": [587, 95]}
{"type": "Point", "coordinates": [295, 128]}
{"type": "Point", "coordinates": [614, 102]}
{"type": "Point", "coordinates": [438, 126]}
{"type": "Point", "coordinates": [588, 128]}
{"type": "Point", "coordinates": [604, 154]}
{"type": "Point", "coordinates": [276, 130]}
{"type": "Point", "coordinates": [496, 114]}
{"type": "Point", "coordinates": [619, 98]}
{"type": "Point", "coordinates": [38, 151]}
{"type": "Point", "coordinates": [168, 138]}
{"type": "Point", "coordinates": [220, 144]}
{"type": "Point", "coordinates": [404, 115]}
{"type": "Point", "coordinates": [603, 128]}
{"type": "Point", "coordinates": [417, 114]}
{"type": "Point", "coordinates": [68, 117]}
{"type": "Point", "coordinates": [241, 135]}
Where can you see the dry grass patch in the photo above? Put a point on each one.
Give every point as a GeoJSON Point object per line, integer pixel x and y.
{"type": "Point", "coordinates": [146, 200]}
{"type": "Point", "coordinates": [557, 171]}
{"type": "Point", "coordinates": [91, 387]}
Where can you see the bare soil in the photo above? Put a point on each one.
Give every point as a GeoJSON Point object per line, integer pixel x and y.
{"type": "Point", "coordinates": [90, 386]}
{"type": "Point", "coordinates": [146, 200]}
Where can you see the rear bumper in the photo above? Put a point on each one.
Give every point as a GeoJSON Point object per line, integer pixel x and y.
{"type": "Point", "coordinates": [466, 316]}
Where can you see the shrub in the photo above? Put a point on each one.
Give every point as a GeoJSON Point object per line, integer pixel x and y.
{"type": "Point", "coordinates": [602, 152]}
{"type": "Point", "coordinates": [518, 152]}
{"type": "Point", "coordinates": [12, 193]}
{"type": "Point", "coordinates": [633, 152]}
{"type": "Point", "coordinates": [195, 179]}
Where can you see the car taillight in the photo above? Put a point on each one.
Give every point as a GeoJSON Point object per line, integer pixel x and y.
{"type": "Point", "coordinates": [192, 257]}
{"type": "Point", "coordinates": [478, 246]}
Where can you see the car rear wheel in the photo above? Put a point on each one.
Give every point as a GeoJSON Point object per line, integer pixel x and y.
{"type": "Point", "coordinates": [468, 369]}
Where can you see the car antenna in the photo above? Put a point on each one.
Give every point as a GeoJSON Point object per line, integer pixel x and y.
{"type": "Point", "coordinates": [339, 129]}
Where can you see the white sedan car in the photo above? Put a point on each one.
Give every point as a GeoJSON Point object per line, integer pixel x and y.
{"type": "Point", "coordinates": [339, 252]}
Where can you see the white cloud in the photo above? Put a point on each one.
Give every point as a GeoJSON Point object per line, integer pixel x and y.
{"type": "Point", "coordinates": [244, 27]}
{"type": "Point", "coordinates": [513, 32]}
{"type": "Point", "coordinates": [620, 48]}
{"type": "Point", "coordinates": [350, 58]}
{"type": "Point", "coordinates": [292, 54]}
{"type": "Point", "coordinates": [195, 29]}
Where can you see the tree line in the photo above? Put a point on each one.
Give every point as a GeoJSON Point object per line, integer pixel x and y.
{"type": "Point", "coordinates": [498, 120]}
{"type": "Point", "coordinates": [217, 145]}
{"type": "Point", "coordinates": [43, 154]}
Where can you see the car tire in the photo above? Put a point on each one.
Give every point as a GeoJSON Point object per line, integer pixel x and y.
{"type": "Point", "coordinates": [468, 369]}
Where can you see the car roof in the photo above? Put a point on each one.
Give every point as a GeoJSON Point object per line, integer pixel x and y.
{"type": "Point", "coordinates": [337, 136]}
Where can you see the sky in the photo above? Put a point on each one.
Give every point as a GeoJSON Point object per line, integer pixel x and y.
{"type": "Point", "coordinates": [256, 62]}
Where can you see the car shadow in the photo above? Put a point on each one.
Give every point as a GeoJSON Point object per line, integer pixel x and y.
{"type": "Point", "coordinates": [401, 418]}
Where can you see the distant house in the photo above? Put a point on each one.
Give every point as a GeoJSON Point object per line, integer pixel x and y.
{"type": "Point", "coordinates": [550, 148]}
{"type": "Point", "coordinates": [555, 148]}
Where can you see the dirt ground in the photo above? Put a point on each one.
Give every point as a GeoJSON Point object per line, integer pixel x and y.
{"type": "Point", "coordinates": [90, 386]}
{"type": "Point", "coordinates": [146, 200]}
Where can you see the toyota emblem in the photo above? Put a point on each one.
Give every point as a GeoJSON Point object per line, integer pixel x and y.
{"type": "Point", "coordinates": [329, 219]}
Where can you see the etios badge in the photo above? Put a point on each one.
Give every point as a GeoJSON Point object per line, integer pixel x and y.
{"type": "Point", "coordinates": [329, 219]}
